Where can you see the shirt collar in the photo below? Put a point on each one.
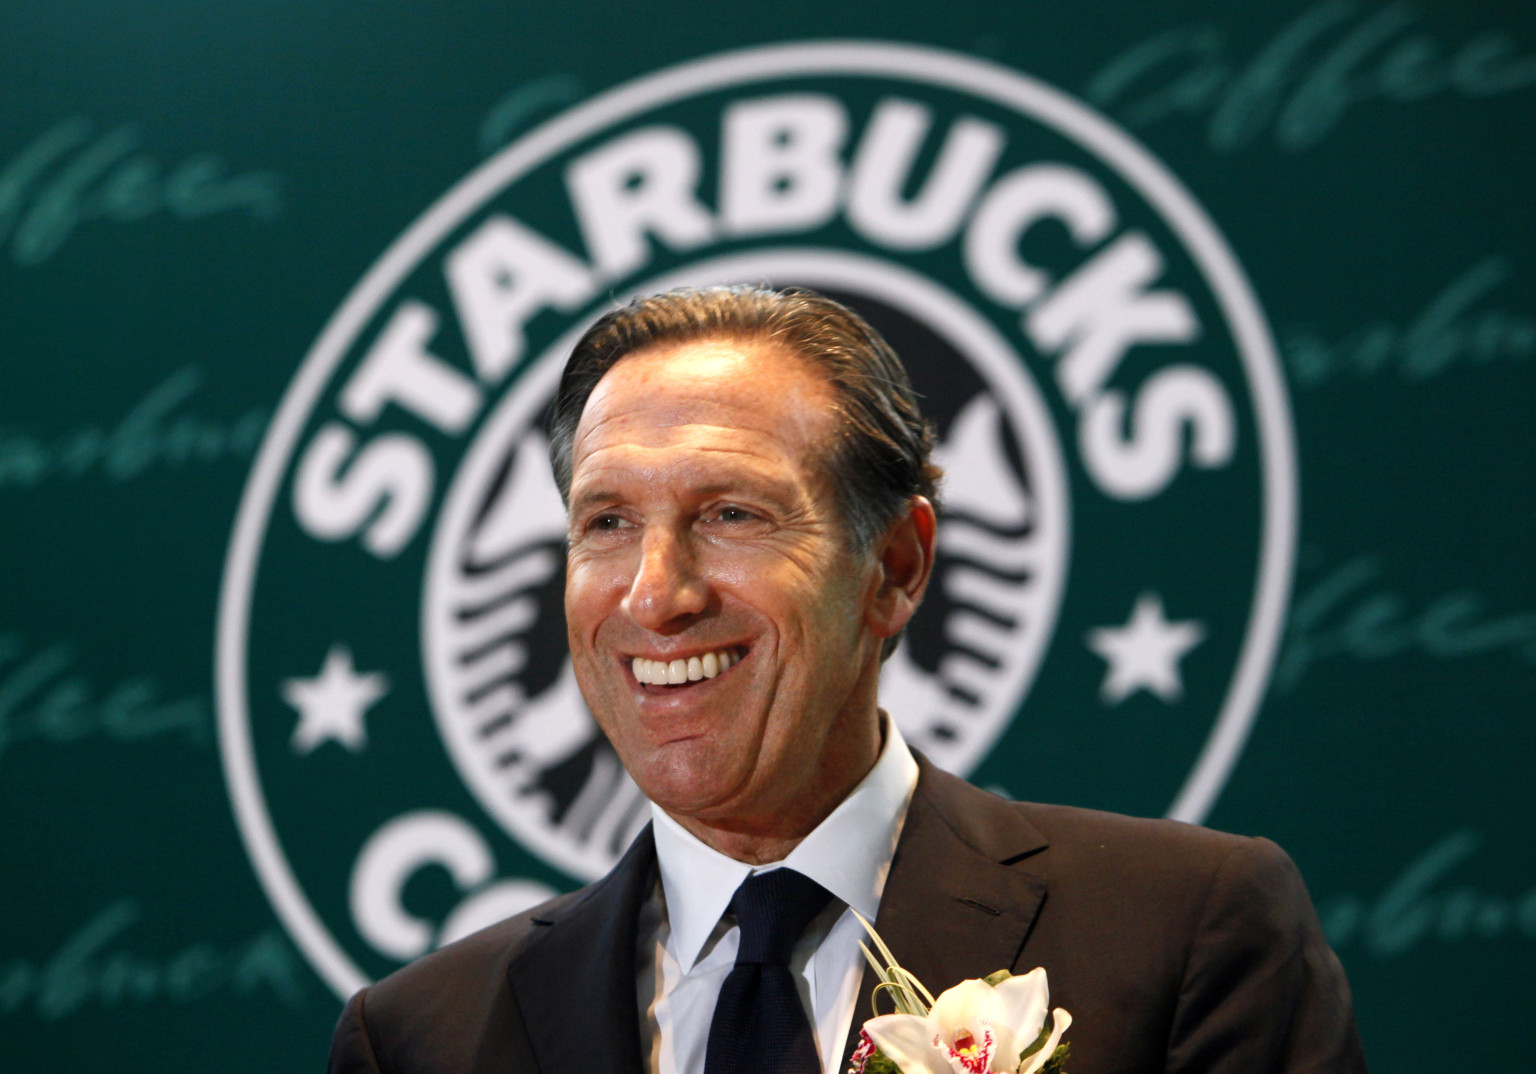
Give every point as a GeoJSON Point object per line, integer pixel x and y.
{"type": "Point", "coordinates": [849, 853]}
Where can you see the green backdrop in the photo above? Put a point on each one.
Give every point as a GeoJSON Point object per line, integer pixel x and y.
{"type": "Point", "coordinates": [190, 193]}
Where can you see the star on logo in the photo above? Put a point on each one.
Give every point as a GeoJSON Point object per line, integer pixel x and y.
{"type": "Point", "coordinates": [1145, 653]}
{"type": "Point", "coordinates": [331, 705]}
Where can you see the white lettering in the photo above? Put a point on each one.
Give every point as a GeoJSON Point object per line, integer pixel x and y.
{"type": "Point", "coordinates": [386, 487]}
{"type": "Point", "coordinates": [780, 169]}
{"type": "Point", "coordinates": [883, 165]}
{"type": "Point", "coordinates": [639, 185]}
{"type": "Point", "coordinates": [397, 852]}
{"type": "Point", "coordinates": [501, 277]}
{"type": "Point", "coordinates": [1102, 309]}
{"type": "Point", "coordinates": [1017, 202]}
{"type": "Point", "coordinates": [1140, 465]}
{"type": "Point", "coordinates": [399, 369]}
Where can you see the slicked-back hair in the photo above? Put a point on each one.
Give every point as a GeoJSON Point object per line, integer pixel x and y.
{"type": "Point", "coordinates": [880, 454]}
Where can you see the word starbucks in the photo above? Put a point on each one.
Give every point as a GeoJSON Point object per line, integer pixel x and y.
{"type": "Point", "coordinates": [1421, 904]}
{"type": "Point", "coordinates": [1097, 368]}
{"type": "Point", "coordinates": [101, 965]}
{"type": "Point", "coordinates": [786, 163]}
{"type": "Point", "coordinates": [156, 432]}
{"type": "Point", "coordinates": [1453, 329]}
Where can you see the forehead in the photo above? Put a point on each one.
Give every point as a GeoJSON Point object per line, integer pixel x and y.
{"type": "Point", "coordinates": [718, 395]}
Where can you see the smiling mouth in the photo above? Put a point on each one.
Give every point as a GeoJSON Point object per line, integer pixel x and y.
{"type": "Point", "coordinates": [685, 672]}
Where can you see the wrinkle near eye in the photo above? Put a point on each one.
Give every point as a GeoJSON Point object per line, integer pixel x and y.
{"type": "Point", "coordinates": [733, 514]}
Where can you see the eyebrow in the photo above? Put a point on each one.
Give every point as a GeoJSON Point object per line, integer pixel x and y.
{"type": "Point", "coordinates": [778, 491]}
{"type": "Point", "coordinates": [596, 498]}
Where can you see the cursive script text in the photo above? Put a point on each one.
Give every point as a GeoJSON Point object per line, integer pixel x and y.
{"type": "Point", "coordinates": [519, 106]}
{"type": "Point", "coordinates": [43, 698]}
{"type": "Point", "coordinates": [96, 966]}
{"type": "Point", "coordinates": [152, 433]}
{"type": "Point", "coordinates": [1330, 59]}
{"type": "Point", "coordinates": [1417, 906]}
{"type": "Point", "coordinates": [1349, 613]}
{"type": "Point", "coordinates": [1450, 330]}
{"type": "Point", "coordinates": [71, 176]}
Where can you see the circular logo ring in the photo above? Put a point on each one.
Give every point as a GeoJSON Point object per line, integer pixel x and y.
{"type": "Point", "coordinates": [983, 80]}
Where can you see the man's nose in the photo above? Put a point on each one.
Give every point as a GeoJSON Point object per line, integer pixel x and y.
{"type": "Point", "coordinates": [668, 590]}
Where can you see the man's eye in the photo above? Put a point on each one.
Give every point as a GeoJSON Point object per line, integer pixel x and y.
{"type": "Point", "coordinates": [736, 514]}
{"type": "Point", "coordinates": [607, 522]}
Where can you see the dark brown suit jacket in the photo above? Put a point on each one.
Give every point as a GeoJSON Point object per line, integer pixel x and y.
{"type": "Point", "coordinates": [1175, 948]}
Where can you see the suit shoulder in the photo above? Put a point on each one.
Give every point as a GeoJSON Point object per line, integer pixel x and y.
{"type": "Point", "coordinates": [1061, 824]}
{"type": "Point", "coordinates": [1168, 860]}
{"type": "Point", "coordinates": [458, 1007]}
{"type": "Point", "coordinates": [436, 1013]}
{"type": "Point", "coordinates": [1038, 833]}
{"type": "Point", "coordinates": [490, 949]}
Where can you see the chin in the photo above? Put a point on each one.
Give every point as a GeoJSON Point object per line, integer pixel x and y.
{"type": "Point", "coordinates": [690, 786]}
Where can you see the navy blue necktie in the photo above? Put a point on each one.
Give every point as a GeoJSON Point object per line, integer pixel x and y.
{"type": "Point", "coordinates": [759, 1025]}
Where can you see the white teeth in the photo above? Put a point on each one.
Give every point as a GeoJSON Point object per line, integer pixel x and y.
{"type": "Point", "coordinates": [676, 672]}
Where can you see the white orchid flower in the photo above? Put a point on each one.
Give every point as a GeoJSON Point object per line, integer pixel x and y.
{"type": "Point", "coordinates": [974, 1028]}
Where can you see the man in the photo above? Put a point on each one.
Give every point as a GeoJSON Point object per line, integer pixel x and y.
{"type": "Point", "coordinates": [751, 528]}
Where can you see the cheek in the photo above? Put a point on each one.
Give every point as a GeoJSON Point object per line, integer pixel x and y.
{"type": "Point", "coordinates": [834, 603]}
{"type": "Point", "coordinates": [592, 590]}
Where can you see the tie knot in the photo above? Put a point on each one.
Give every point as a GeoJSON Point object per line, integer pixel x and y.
{"type": "Point", "coordinates": [772, 910]}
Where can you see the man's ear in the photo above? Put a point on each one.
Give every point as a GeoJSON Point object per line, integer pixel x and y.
{"type": "Point", "coordinates": [906, 563]}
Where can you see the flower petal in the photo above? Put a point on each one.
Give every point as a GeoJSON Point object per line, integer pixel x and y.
{"type": "Point", "coordinates": [973, 1007]}
{"type": "Point", "coordinates": [1062, 1020]}
{"type": "Point", "coordinates": [968, 1004]}
{"type": "Point", "coordinates": [907, 1040]}
{"type": "Point", "coordinates": [1024, 1001]}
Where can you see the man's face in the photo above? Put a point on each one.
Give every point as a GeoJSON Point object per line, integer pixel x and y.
{"type": "Point", "coordinates": [703, 528]}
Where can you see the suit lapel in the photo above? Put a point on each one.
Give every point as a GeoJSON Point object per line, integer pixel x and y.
{"type": "Point", "coordinates": [575, 978]}
{"type": "Point", "coordinates": [954, 906]}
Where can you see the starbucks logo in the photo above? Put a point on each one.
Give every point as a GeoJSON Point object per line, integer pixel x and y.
{"type": "Point", "coordinates": [408, 754]}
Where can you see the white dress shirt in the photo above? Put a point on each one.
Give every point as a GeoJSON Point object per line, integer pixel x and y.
{"type": "Point", "coordinates": [687, 946]}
